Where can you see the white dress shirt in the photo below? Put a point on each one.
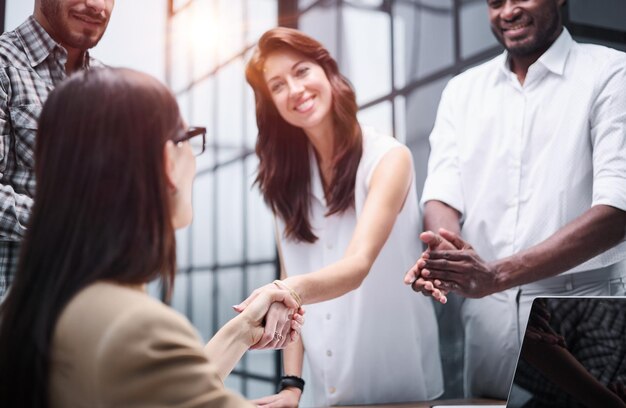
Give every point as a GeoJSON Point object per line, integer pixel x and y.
{"type": "Point", "coordinates": [378, 343]}
{"type": "Point", "coordinates": [521, 161]}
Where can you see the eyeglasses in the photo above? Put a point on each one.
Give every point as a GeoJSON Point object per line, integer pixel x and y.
{"type": "Point", "coordinates": [197, 144]}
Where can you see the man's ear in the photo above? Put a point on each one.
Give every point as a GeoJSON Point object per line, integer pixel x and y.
{"type": "Point", "coordinates": [169, 160]}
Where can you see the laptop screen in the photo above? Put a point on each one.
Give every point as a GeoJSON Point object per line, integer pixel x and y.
{"type": "Point", "coordinates": [573, 354]}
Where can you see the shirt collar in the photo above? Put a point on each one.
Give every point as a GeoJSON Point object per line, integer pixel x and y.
{"type": "Point", "coordinates": [38, 44]}
{"type": "Point", "coordinates": [553, 59]}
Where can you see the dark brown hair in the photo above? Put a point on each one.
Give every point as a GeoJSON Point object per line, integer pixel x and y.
{"type": "Point", "coordinates": [283, 149]}
{"type": "Point", "coordinates": [101, 212]}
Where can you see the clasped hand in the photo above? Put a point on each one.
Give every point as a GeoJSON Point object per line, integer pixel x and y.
{"type": "Point", "coordinates": [451, 264]}
{"type": "Point", "coordinates": [277, 317]}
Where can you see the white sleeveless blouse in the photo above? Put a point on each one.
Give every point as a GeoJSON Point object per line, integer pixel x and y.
{"type": "Point", "coordinates": [378, 343]}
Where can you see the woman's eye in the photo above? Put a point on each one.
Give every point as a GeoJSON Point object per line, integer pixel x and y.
{"type": "Point", "coordinates": [276, 87]}
{"type": "Point", "coordinates": [302, 71]}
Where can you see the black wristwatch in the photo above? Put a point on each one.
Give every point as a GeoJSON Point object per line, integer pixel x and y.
{"type": "Point", "coordinates": [290, 381]}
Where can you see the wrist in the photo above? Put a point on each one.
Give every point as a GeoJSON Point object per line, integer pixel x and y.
{"type": "Point", "coordinates": [504, 273]}
{"type": "Point", "coordinates": [242, 329]}
{"type": "Point", "coordinates": [283, 284]}
{"type": "Point", "coordinates": [291, 383]}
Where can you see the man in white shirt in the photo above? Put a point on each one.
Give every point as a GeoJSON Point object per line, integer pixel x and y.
{"type": "Point", "coordinates": [528, 166]}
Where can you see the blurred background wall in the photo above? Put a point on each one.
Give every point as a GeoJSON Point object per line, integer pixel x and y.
{"type": "Point", "coordinates": [399, 55]}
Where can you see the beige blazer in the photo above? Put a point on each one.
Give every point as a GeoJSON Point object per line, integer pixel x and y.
{"type": "Point", "coordinates": [115, 346]}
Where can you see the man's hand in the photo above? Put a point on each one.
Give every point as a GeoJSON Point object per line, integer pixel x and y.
{"type": "Point", "coordinates": [413, 277]}
{"type": "Point", "coordinates": [460, 270]}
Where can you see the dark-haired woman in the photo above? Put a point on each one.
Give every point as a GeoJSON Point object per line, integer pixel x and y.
{"type": "Point", "coordinates": [114, 170]}
{"type": "Point", "coordinates": [347, 219]}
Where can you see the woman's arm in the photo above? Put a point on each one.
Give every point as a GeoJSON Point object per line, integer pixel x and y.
{"type": "Point", "coordinates": [293, 356]}
{"type": "Point", "coordinates": [388, 190]}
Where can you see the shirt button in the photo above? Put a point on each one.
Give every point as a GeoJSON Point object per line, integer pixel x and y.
{"type": "Point", "coordinates": [332, 390]}
{"type": "Point", "coordinates": [328, 316]}
{"type": "Point", "coordinates": [329, 246]}
{"type": "Point", "coordinates": [329, 353]}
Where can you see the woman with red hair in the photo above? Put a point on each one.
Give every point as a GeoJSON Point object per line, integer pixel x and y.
{"type": "Point", "coordinates": [347, 219]}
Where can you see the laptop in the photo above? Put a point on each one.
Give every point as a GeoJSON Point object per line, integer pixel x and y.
{"type": "Point", "coordinates": [573, 355]}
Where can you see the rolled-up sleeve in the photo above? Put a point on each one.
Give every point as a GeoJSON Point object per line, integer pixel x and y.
{"type": "Point", "coordinates": [608, 137]}
{"type": "Point", "coordinates": [443, 182]}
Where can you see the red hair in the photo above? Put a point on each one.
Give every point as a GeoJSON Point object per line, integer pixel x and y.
{"type": "Point", "coordinates": [283, 149]}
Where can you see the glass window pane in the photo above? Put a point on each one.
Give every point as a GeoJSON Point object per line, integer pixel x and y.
{"type": "Point", "coordinates": [201, 110]}
{"type": "Point", "coordinates": [202, 303]}
{"type": "Point", "coordinates": [229, 85]}
{"type": "Point", "coordinates": [180, 50]}
{"type": "Point", "coordinates": [302, 4]}
{"type": "Point", "coordinates": [180, 294]}
{"type": "Point", "coordinates": [421, 110]}
{"type": "Point", "coordinates": [258, 389]}
{"type": "Point", "coordinates": [366, 52]}
{"type": "Point", "coordinates": [182, 248]}
{"type": "Point", "coordinates": [184, 105]}
{"type": "Point", "coordinates": [230, 213]}
{"type": "Point", "coordinates": [400, 119]}
{"type": "Point", "coordinates": [378, 116]}
{"type": "Point", "coordinates": [424, 38]}
{"type": "Point", "coordinates": [321, 23]}
{"type": "Point", "coordinates": [252, 131]}
{"type": "Point", "coordinates": [476, 36]}
{"type": "Point", "coordinates": [202, 37]}
{"type": "Point", "coordinates": [202, 228]}
{"type": "Point", "coordinates": [234, 383]}
{"type": "Point", "coordinates": [230, 28]}
{"type": "Point", "coordinates": [229, 292]}
{"type": "Point", "coordinates": [262, 15]}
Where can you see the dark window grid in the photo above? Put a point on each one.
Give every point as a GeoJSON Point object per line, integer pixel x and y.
{"type": "Point", "coordinates": [215, 268]}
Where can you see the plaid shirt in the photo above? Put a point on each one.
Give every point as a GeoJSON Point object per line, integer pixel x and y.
{"type": "Point", "coordinates": [31, 65]}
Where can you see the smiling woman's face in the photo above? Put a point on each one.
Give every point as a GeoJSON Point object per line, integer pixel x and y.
{"type": "Point", "coordinates": [299, 88]}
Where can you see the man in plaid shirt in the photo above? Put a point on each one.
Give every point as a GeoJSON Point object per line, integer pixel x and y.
{"type": "Point", "coordinates": [34, 58]}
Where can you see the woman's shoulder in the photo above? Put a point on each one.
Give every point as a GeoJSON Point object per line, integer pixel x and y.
{"type": "Point", "coordinates": [104, 313]}
{"type": "Point", "coordinates": [132, 350]}
{"type": "Point", "coordinates": [377, 145]}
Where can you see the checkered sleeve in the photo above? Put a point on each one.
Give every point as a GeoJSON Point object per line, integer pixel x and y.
{"type": "Point", "coordinates": [14, 207]}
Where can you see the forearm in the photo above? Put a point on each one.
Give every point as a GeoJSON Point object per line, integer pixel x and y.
{"type": "Point", "coordinates": [333, 280]}
{"type": "Point", "coordinates": [226, 348]}
{"type": "Point", "coordinates": [595, 231]}
{"type": "Point", "coordinates": [293, 356]}
{"type": "Point", "coordinates": [440, 215]}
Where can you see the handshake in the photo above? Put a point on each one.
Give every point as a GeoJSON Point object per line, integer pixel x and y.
{"type": "Point", "coordinates": [274, 316]}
